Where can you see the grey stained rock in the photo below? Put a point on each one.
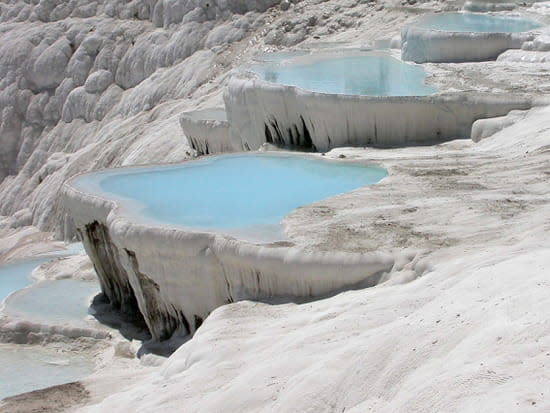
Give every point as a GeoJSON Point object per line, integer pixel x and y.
{"type": "Point", "coordinates": [98, 81]}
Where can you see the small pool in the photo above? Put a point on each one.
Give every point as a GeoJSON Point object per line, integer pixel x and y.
{"type": "Point", "coordinates": [56, 302]}
{"type": "Point", "coordinates": [368, 73]}
{"type": "Point", "coordinates": [244, 195]}
{"type": "Point", "coordinates": [17, 275]}
{"type": "Point", "coordinates": [28, 368]}
{"type": "Point", "coordinates": [477, 23]}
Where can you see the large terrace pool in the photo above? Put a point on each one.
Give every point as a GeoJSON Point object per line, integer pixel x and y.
{"type": "Point", "coordinates": [245, 195]}
{"type": "Point", "coordinates": [372, 74]}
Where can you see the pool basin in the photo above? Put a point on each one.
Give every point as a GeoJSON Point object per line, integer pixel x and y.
{"type": "Point", "coordinates": [175, 273]}
{"type": "Point", "coordinates": [462, 37]}
{"type": "Point", "coordinates": [28, 368]}
{"type": "Point", "coordinates": [373, 74]}
{"type": "Point", "coordinates": [53, 302]}
{"type": "Point", "coordinates": [278, 57]}
{"type": "Point", "coordinates": [17, 275]}
{"type": "Point", "coordinates": [243, 195]}
{"type": "Point", "coordinates": [476, 23]}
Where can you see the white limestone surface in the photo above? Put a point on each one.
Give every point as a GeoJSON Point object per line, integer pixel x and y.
{"type": "Point", "coordinates": [59, 116]}
{"type": "Point", "coordinates": [422, 45]}
{"type": "Point", "coordinates": [487, 359]}
{"type": "Point", "coordinates": [483, 128]}
{"type": "Point", "coordinates": [489, 5]}
{"type": "Point", "coordinates": [207, 131]}
{"type": "Point", "coordinates": [262, 112]}
{"type": "Point", "coordinates": [86, 85]}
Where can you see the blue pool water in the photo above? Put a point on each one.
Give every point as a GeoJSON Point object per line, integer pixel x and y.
{"type": "Point", "coordinates": [372, 74]}
{"type": "Point", "coordinates": [53, 302]}
{"type": "Point", "coordinates": [27, 368]}
{"type": "Point", "coordinates": [15, 276]}
{"type": "Point", "coordinates": [231, 192]}
{"type": "Point", "coordinates": [480, 23]}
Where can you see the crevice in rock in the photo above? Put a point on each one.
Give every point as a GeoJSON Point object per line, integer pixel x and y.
{"type": "Point", "coordinates": [267, 133]}
{"type": "Point", "coordinates": [307, 142]}
{"type": "Point", "coordinates": [113, 279]}
{"type": "Point", "coordinates": [198, 322]}
{"type": "Point", "coordinates": [162, 323]}
{"type": "Point", "coordinates": [279, 140]}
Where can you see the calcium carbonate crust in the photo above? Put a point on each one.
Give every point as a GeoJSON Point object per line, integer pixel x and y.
{"type": "Point", "coordinates": [207, 135]}
{"type": "Point", "coordinates": [262, 112]}
{"type": "Point", "coordinates": [486, 6]}
{"type": "Point", "coordinates": [175, 277]}
{"type": "Point", "coordinates": [422, 45]}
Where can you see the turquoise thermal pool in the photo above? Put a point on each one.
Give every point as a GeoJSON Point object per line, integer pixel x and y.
{"type": "Point", "coordinates": [372, 74]}
{"type": "Point", "coordinates": [56, 302]}
{"type": "Point", "coordinates": [17, 275]}
{"type": "Point", "coordinates": [478, 23]}
{"type": "Point", "coordinates": [244, 195]}
{"type": "Point", "coordinates": [27, 368]}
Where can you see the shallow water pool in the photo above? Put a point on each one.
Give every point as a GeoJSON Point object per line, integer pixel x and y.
{"type": "Point", "coordinates": [27, 368]}
{"type": "Point", "coordinates": [372, 74]}
{"type": "Point", "coordinates": [17, 275]}
{"type": "Point", "coordinates": [56, 302]}
{"type": "Point", "coordinates": [245, 195]}
{"type": "Point", "coordinates": [479, 23]}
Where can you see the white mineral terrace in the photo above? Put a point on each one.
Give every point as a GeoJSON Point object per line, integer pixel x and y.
{"type": "Point", "coordinates": [262, 111]}
{"type": "Point", "coordinates": [207, 131]}
{"type": "Point", "coordinates": [464, 37]}
{"type": "Point", "coordinates": [178, 275]}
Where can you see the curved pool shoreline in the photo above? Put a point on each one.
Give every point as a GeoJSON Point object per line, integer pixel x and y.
{"type": "Point", "coordinates": [175, 277]}
{"type": "Point", "coordinates": [213, 194]}
{"type": "Point", "coordinates": [421, 44]}
{"type": "Point", "coordinates": [375, 73]}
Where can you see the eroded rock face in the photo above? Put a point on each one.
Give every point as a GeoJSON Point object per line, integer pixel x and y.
{"type": "Point", "coordinates": [113, 278]}
{"type": "Point", "coordinates": [421, 45]}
